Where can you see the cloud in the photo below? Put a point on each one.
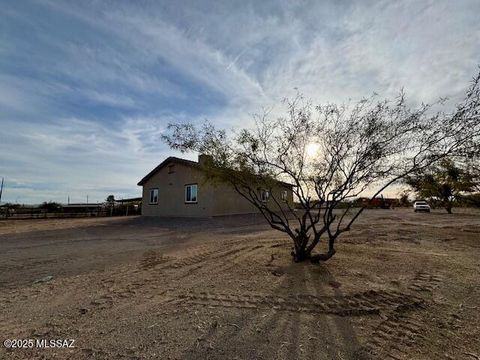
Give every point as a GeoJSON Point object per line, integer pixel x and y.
{"type": "Point", "coordinates": [76, 157]}
{"type": "Point", "coordinates": [87, 88]}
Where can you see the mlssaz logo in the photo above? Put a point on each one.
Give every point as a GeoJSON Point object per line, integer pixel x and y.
{"type": "Point", "coordinates": [55, 343]}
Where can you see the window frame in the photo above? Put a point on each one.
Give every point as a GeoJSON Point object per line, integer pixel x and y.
{"type": "Point", "coordinates": [267, 197]}
{"type": "Point", "coordinates": [185, 193]}
{"type": "Point", "coordinates": [150, 202]}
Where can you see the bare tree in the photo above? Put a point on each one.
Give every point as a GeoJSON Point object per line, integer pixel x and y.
{"type": "Point", "coordinates": [476, 175]}
{"type": "Point", "coordinates": [363, 148]}
{"type": "Point", "coordinates": [468, 111]}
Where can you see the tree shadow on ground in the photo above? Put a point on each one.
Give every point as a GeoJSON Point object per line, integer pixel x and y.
{"type": "Point", "coordinates": [277, 334]}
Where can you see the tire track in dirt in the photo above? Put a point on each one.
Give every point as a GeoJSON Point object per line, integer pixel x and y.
{"type": "Point", "coordinates": [275, 243]}
{"type": "Point", "coordinates": [193, 259]}
{"type": "Point", "coordinates": [369, 302]}
{"type": "Point", "coordinates": [237, 259]}
{"type": "Point", "coordinates": [393, 337]}
{"type": "Point", "coordinates": [208, 253]}
{"type": "Point", "coordinates": [227, 261]}
{"type": "Point", "coordinates": [197, 255]}
{"type": "Point", "coordinates": [152, 259]}
{"type": "Point", "coordinates": [144, 278]}
{"type": "Point", "coordinates": [211, 263]}
{"type": "Point", "coordinates": [425, 282]}
{"type": "Point", "coordinates": [243, 328]}
{"type": "Point", "coordinates": [217, 261]}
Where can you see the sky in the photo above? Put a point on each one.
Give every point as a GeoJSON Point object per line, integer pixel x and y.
{"type": "Point", "coordinates": [88, 87]}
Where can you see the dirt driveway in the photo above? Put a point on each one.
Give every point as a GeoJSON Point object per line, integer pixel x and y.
{"type": "Point", "coordinates": [401, 286]}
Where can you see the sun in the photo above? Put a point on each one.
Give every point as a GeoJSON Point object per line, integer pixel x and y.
{"type": "Point", "coordinates": [312, 149]}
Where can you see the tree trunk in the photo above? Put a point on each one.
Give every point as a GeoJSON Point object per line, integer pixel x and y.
{"type": "Point", "coordinates": [302, 252]}
{"type": "Point", "coordinates": [300, 255]}
{"type": "Point", "coordinates": [322, 257]}
{"type": "Point", "coordinates": [449, 207]}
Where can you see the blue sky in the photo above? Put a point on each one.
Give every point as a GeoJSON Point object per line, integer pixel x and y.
{"type": "Point", "coordinates": [88, 87]}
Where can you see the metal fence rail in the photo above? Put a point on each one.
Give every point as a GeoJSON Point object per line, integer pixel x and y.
{"type": "Point", "coordinates": [46, 215]}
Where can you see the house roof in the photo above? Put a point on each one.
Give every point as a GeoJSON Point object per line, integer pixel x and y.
{"type": "Point", "coordinates": [80, 205]}
{"type": "Point", "coordinates": [176, 160]}
{"type": "Point", "coordinates": [170, 159]}
{"type": "Point", "coordinates": [129, 200]}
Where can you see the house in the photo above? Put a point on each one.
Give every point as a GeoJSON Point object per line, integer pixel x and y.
{"type": "Point", "coordinates": [378, 202]}
{"type": "Point", "coordinates": [178, 188]}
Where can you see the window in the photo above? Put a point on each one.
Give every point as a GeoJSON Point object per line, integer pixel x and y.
{"type": "Point", "coordinates": [153, 196]}
{"type": "Point", "coordinates": [171, 168]}
{"type": "Point", "coordinates": [284, 195]}
{"type": "Point", "coordinates": [191, 193]}
{"type": "Point", "coordinates": [264, 195]}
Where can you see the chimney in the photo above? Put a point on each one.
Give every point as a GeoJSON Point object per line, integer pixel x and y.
{"type": "Point", "coordinates": [204, 159]}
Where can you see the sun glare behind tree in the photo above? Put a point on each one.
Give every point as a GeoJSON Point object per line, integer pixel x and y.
{"type": "Point", "coordinates": [330, 154]}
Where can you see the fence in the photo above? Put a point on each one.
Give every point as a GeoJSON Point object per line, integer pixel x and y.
{"type": "Point", "coordinates": [52, 215]}
{"type": "Point", "coordinates": [25, 213]}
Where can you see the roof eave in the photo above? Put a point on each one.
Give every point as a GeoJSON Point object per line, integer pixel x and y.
{"type": "Point", "coordinates": [163, 164]}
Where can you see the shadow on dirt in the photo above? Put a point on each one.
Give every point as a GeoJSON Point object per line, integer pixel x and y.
{"type": "Point", "coordinates": [272, 334]}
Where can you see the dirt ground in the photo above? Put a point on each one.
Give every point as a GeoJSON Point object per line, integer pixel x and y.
{"type": "Point", "coordinates": [401, 286]}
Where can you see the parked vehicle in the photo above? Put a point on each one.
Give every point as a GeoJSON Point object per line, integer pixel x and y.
{"type": "Point", "coordinates": [421, 206]}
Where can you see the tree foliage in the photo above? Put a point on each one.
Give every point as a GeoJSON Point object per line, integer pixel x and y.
{"type": "Point", "coordinates": [404, 199]}
{"type": "Point", "coordinates": [365, 147]}
{"type": "Point", "coordinates": [443, 183]}
{"type": "Point", "coordinates": [472, 166]}
{"type": "Point", "coordinates": [51, 206]}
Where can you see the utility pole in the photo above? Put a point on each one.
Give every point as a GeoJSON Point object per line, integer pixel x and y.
{"type": "Point", "coordinates": [87, 199]}
{"type": "Point", "coordinates": [1, 191]}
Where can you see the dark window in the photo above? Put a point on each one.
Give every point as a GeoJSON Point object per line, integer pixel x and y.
{"type": "Point", "coordinates": [153, 196]}
{"type": "Point", "coordinates": [264, 195]}
{"type": "Point", "coordinates": [191, 193]}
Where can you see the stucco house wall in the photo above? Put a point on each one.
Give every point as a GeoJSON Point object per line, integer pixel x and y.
{"type": "Point", "coordinates": [226, 201]}
{"type": "Point", "coordinates": [170, 179]}
{"type": "Point", "coordinates": [171, 193]}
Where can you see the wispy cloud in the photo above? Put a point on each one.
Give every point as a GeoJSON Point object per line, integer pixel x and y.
{"type": "Point", "coordinates": [87, 88]}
